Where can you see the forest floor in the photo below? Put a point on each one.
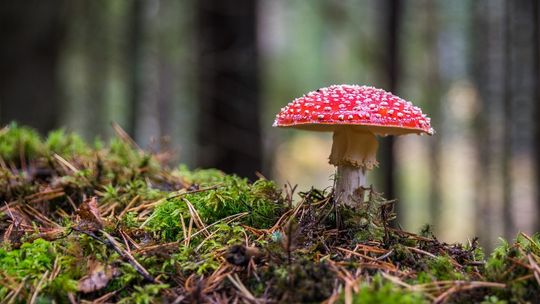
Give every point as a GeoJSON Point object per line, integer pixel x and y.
{"type": "Point", "coordinates": [110, 223]}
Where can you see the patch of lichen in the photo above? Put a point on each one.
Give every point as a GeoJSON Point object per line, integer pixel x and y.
{"type": "Point", "coordinates": [159, 234]}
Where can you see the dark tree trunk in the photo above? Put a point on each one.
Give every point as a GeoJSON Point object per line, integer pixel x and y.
{"type": "Point", "coordinates": [391, 16]}
{"type": "Point", "coordinates": [32, 33]}
{"type": "Point", "coordinates": [229, 131]}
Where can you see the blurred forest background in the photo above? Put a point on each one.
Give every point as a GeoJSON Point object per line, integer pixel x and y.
{"type": "Point", "coordinates": [205, 78]}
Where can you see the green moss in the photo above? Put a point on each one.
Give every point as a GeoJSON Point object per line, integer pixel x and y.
{"type": "Point", "coordinates": [301, 256]}
{"type": "Point", "coordinates": [493, 300]}
{"type": "Point", "coordinates": [31, 262]}
{"type": "Point", "coordinates": [66, 144]}
{"type": "Point", "coordinates": [202, 177]}
{"type": "Point", "coordinates": [501, 267]}
{"type": "Point", "coordinates": [128, 277]}
{"type": "Point", "coordinates": [261, 201]}
{"type": "Point", "coordinates": [32, 259]}
{"type": "Point", "coordinates": [497, 262]}
{"type": "Point", "coordinates": [190, 261]}
{"type": "Point", "coordinates": [380, 291]}
{"type": "Point", "coordinates": [19, 141]}
{"type": "Point", "coordinates": [235, 195]}
{"type": "Point", "coordinates": [129, 220]}
{"type": "Point", "coordinates": [202, 256]}
{"type": "Point", "coordinates": [166, 220]}
{"type": "Point", "coordinates": [441, 268]}
{"type": "Point", "coordinates": [122, 153]}
{"type": "Point", "coordinates": [529, 245]}
{"type": "Point", "coordinates": [371, 218]}
{"type": "Point", "coordinates": [144, 294]}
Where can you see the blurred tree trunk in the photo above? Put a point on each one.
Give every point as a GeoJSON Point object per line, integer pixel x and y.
{"type": "Point", "coordinates": [432, 97]}
{"type": "Point", "coordinates": [536, 45]}
{"type": "Point", "coordinates": [98, 65]}
{"type": "Point", "coordinates": [508, 222]}
{"type": "Point", "coordinates": [507, 76]}
{"type": "Point", "coordinates": [519, 107]}
{"type": "Point", "coordinates": [490, 76]}
{"type": "Point", "coordinates": [135, 59]}
{"type": "Point", "coordinates": [32, 34]}
{"type": "Point", "coordinates": [228, 130]}
{"type": "Point", "coordinates": [391, 18]}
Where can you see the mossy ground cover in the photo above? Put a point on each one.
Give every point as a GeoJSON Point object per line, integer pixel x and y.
{"type": "Point", "coordinates": [111, 223]}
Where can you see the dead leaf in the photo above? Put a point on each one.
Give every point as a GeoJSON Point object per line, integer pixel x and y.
{"type": "Point", "coordinates": [20, 223]}
{"type": "Point", "coordinates": [48, 234]}
{"type": "Point", "coordinates": [97, 278]}
{"type": "Point", "coordinates": [89, 217]}
{"type": "Point", "coordinates": [18, 217]}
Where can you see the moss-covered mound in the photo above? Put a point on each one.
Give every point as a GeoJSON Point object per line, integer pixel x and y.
{"type": "Point", "coordinates": [111, 223]}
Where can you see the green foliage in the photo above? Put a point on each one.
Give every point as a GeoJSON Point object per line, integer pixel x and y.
{"type": "Point", "coordinates": [477, 252]}
{"type": "Point", "coordinates": [493, 300]}
{"type": "Point", "coordinates": [124, 193]}
{"type": "Point", "coordinates": [141, 188]}
{"type": "Point", "coordinates": [531, 244]}
{"type": "Point", "coordinates": [167, 219]}
{"type": "Point", "coordinates": [441, 268]}
{"type": "Point", "coordinates": [426, 231]}
{"type": "Point", "coordinates": [32, 261]}
{"type": "Point", "coordinates": [380, 291]}
{"type": "Point", "coordinates": [202, 254]}
{"type": "Point", "coordinates": [18, 141]}
{"type": "Point", "coordinates": [129, 220]}
{"type": "Point", "coordinates": [122, 153]}
{"type": "Point", "coordinates": [370, 216]}
{"type": "Point", "coordinates": [235, 195]}
{"type": "Point", "coordinates": [187, 260]}
{"type": "Point", "coordinates": [62, 284]}
{"type": "Point", "coordinates": [501, 267]}
{"type": "Point", "coordinates": [128, 276]}
{"type": "Point", "coordinates": [65, 144]}
{"type": "Point", "coordinates": [203, 177]}
{"type": "Point", "coordinates": [144, 294]}
{"type": "Point", "coordinates": [497, 262]}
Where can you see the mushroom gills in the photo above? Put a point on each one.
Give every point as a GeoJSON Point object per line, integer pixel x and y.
{"type": "Point", "coordinates": [355, 148]}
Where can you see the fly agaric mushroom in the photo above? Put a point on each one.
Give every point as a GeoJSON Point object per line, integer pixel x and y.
{"type": "Point", "coordinates": [356, 114]}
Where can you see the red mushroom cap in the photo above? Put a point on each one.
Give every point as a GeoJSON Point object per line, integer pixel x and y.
{"type": "Point", "coordinates": [364, 107]}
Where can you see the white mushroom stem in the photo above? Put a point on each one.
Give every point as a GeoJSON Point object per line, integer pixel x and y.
{"type": "Point", "coordinates": [354, 153]}
{"type": "Point", "coordinates": [349, 181]}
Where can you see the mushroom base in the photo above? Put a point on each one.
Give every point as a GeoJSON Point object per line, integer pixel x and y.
{"type": "Point", "coordinates": [354, 148]}
{"type": "Point", "coordinates": [348, 187]}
